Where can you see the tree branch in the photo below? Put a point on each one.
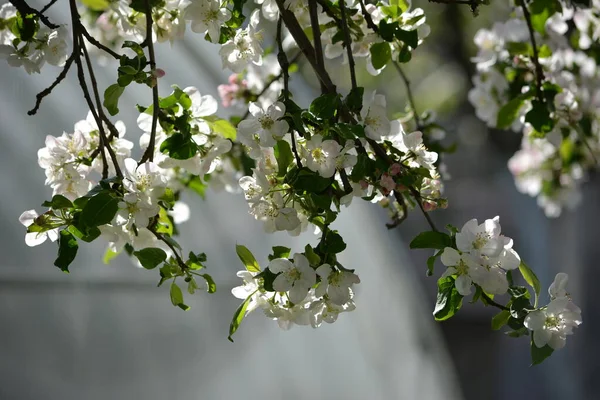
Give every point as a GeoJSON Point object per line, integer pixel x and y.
{"type": "Point", "coordinates": [24, 9]}
{"type": "Point", "coordinates": [149, 153]}
{"type": "Point", "coordinates": [539, 72]}
{"type": "Point", "coordinates": [348, 44]}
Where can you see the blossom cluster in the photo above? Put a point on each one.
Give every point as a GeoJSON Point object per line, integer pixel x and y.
{"type": "Point", "coordinates": [549, 94]}
{"type": "Point", "coordinates": [300, 166]}
{"type": "Point", "coordinates": [482, 257]}
{"type": "Point", "coordinates": [24, 43]}
{"type": "Point", "coordinates": [293, 296]}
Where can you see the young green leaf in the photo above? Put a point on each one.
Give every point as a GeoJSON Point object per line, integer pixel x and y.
{"type": "Point", "coordinates": [210, 283]}
{"type": "Point", "coordinates": [531, 278]}
{"type": "Point", "coordinates": [111, 98]}
{"type": "Point", "coordinates": [150, 257]}
{"type": "Point", "coordinates": [500, 319]}
{"type": "Point", "coordinates": [539, 354]}
{"type": "Point", "coordinates": [449, 301]}
{"type": "Point", "coordinates": [67, 250]}
{"type": "Point", "coordinates": [99, 210]}
{"type": "Point", "coordinates": [247, 258]}
{"type": "Point", "coordinates": [431, 240]}
{"type": "Point", "coordinates": [381, 54]}
{"type": "Point", "coordinates": [239, 315]}
{"type": "Point", "coordinates": [177, 297]}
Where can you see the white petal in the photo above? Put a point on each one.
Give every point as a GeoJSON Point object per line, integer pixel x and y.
{"type": "Point", "coordinates": [463, 285]}
{"type": "Point", "coordinates": [541, 337]}
{"type": "Point", "coordinates": [297, 293]}
{"type": "Point", "coordinates": [280, 265]}
{"type": "Point", "coordinates": [450, 257]}
{"type": "Point", "coordinates": [535, 320]}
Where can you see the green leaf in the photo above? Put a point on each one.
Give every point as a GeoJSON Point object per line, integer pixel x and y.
{"type": "Point", "coordinates": [90, 234]}
{"type": "Point", "coordinates": [280, 252]}
{"type": "Point", "coordinates": [313, 258]}
{"type": "Point", "coordinates": [325, 106]}
{"type": "Point", "coordinates": [111, 98]}
{"type": "Point", "coordinates": [247, 258]}
{"type": "Point", "coordinates": [179, 146]}
{"type": "Point", "coordinates": [58, 202]}
{"type": "Point", "coordinates": [355, 98]}
{"type": "Point", "coordinates": [239, 315]}
{"type": "Point", "coordinates": [431, 262]}
{"type": "Point", "coordinates": [150, 257]}
{"type": "Point", "coordinates": [381, 54]}
{"type": "Point", "coordinates": [539, 117]}
{"type": "Point", "coordinates": [109, 255]}
{"type": "Point", "coordinates": [411, 38]}
{"type": "Point", "coordinates": [449, 301]}
{"type": "Point", "coordinates": [431, 240]}
{"type": "Point", "coordinates": [539, 354]}
{"type": "Point", "coordinates": [500, 319]}
{"type": "Point", "coordinates": [211, 285]}
{"type": "Point", "coordinates": [531, 279]}
{"type": "Point", "coordinates": [67, 250]}
{"type": "Point", "coordinates": [284, 156]}
{"type": "Point", "coordinates": [177, 297]}
{"type": "Point", "coordinates": [309, 181]}
{"type": "Point", "coordinates": [508, 113]}
{"type": "Point", "coordinates": [164, 224]}
{"type": "Point", "coordinates": [223, 128]}
{"type": "Point", "coordinates": [197, 186]}
{"type": "Point", "coordinates": [99, 210]}
{"type": "Point", "coordinates": [349, 131]}
{"type": "Point", "coordinates": [333, 243]}
{"type": "Point", "coordinates": [140, 5]}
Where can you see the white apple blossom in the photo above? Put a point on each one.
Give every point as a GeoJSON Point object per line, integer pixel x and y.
{"type": "Point", "coordinates": [266, 126]}
{"type": "Point", "coordinates": [463, 266]}
{"type": "Point", "coordinates": [245, 47]}
{"type": "Point", "coordinates": [336, 284]}
{"type": "Point", "coordinates": [36, 238]}
{"type": "Point", "coordinates": [296, 278]}
{"type": "Point", "coordinates": [374, 116]}
{"type": "Point", "coordinates": [552, 324]}
{"type": "Point", "coordinates": [321, 156]}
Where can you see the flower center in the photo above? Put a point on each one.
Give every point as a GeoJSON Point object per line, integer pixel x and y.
{"type": "Point", "coordinates": [266, 122]}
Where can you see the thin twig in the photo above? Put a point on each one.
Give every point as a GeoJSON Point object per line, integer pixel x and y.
{"type": "Point", "coordinates": [47, 6]}
{"type": "Point", "coordinates": [492, 302]}
{"type": "Point", "coordinates": [316, 31]}
{"type": "Point", "coordinates": [149, 153]}
{"type": "Point", "coordinates": [367, 17]}
{"type": "Point", "coordinates": [348, 44]}
{"type": "Point", "coordinates": [284, 64]}
{"type": "Point", "coordinates": [78, 46]}
{"type": "Point", "coordinates": [304, 44]}
{"type": "Point", "coordinates": [180, 261]}
{"type": "Point", "coordinates": [40, 96]}
{"type": "Point", "coordinates": [411, 100]}
{"type": "Point", "coordinates": [271, 82]}
{"type": "Point", "coordinates": [25, 9]}
{"type": "Point", "coordinates": [101, 114]}
{"type": "Point", "coordinates": [92, 40]}
{"type": "Point", "coordinates": [539, 72]}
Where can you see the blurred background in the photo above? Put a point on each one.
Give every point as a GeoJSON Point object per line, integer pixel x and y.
{"type": "Point", "coordinates": [107, 331]}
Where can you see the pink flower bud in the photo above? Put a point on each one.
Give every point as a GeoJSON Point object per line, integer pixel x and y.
{"type": "Point", "coordinates": [429, 205]}
{"type": "Point", "coordinates": [363, 184]}
{"type": "Point", "coordinates": [159, 72]}
{"type": "Point", "coordinates": [387, 182]}
{"type": "Point", "coordinates": [395, 169]}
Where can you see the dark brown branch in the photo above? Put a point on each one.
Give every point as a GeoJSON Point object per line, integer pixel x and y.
{"type": "Point", "coordinates": [47, 6]}
{"type": "Point", "coordinates": [411, 100]}
{"type": "Point", "coordinates": [539, 72]}
{"type": "Point", "coordinates": [40, 96]}
{"type": "Point", "coordinates": [348, 44]}
{"type": "Point", "coordinates": [92, 40]}
{"type": "Point", "coordinates": [284, 64]}
{"type": "Point", "coordinates": [316, 31]}
{"type": "Point", "coordinates": [149, 153]}
{"type": "Point", "coordinates": [305, 46]}
{"type": "Point", "coordinates": [25, 9]}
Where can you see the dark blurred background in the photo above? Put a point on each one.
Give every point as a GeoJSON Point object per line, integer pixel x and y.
{"type": "Point", "coordinates": [108, 332]}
